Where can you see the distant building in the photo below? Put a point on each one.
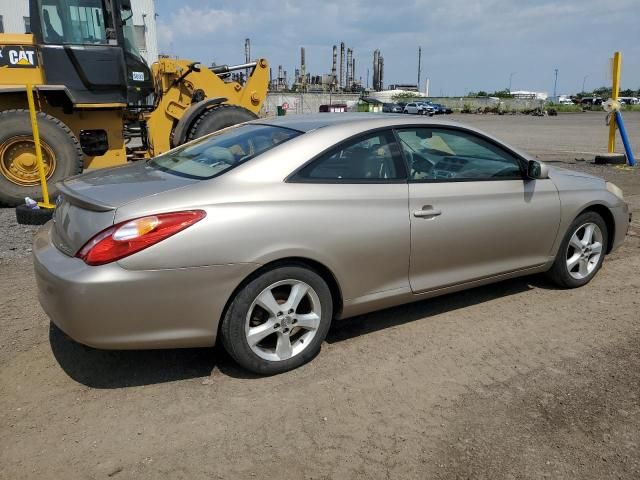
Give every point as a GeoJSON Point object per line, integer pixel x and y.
{"type": "Point", "coordinates": [388, 96]}
{"type": "Point", "coordinates": [14, 18]}
{"type": "Point", "coordinates": [524, 94]}
{"type": "Point", "coordinates": [407, 87]}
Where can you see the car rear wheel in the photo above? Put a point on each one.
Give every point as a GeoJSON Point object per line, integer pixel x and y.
{"type": "Point", "coordinates": [581, 253]}
{"type": "Point", "coordinates": [278, 321]}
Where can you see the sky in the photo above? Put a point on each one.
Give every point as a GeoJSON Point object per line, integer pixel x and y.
{"type": "Point", "coordinates": [466, 45]}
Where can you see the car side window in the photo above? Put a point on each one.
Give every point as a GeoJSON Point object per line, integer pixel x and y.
{"type": "Point", "coordinates": [438, 154]}
{"type": "Point", "coordinates": [374, 157]}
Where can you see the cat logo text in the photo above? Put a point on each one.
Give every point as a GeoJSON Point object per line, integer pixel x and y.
{"type": "Point", "coordinates": [18, 57]}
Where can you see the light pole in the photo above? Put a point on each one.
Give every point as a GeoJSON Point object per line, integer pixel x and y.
{"type": "Point", "coordinates": [511, 78]}
{"type": "Point", "coordinates": [584, 80]}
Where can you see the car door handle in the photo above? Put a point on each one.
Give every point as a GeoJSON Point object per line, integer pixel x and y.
{"type": "Point", "coordinates": [427, 212]}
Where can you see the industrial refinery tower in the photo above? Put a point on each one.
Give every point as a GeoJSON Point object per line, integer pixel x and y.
{"type": "Point", "coordinates": [341, 78]}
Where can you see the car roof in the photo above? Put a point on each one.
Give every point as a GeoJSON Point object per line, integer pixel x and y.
{"type": "Point", "coordinates": [351, 123]}
{"type": "Point", "coordinates": [364, 121]}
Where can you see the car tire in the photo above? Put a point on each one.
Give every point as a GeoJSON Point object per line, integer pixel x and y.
{"type": "Point", "coordinates": [267, 340]}
{"type": "Point", "coordinates": [580, 257]}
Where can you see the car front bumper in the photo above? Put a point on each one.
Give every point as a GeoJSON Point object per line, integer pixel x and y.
{"type": "Point", "coordinates": [111, 307]}
{"type": "Point", "coordinates": [622, 221]}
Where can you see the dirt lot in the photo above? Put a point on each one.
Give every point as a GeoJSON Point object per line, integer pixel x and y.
{"type": "Point", "coordinates": [514, 380]}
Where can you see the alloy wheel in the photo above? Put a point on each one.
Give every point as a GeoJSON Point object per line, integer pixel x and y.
{"type": "Point", "coordinates": [283, 320]}
{"type": "Point", "coordinates": [584, 251]}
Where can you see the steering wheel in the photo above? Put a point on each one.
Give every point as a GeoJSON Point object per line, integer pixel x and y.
{"type": "Point", "coordinates": [421, 165]}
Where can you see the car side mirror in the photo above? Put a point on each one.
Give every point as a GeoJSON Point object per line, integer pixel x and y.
{"type": "Point", "coordinates": [537, 170]}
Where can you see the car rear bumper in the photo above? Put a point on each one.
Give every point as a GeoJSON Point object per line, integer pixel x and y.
{"type": "Point", "coordinates": [110, 307]}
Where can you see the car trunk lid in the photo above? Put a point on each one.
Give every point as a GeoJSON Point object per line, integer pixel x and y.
{"type": "Point", "coordinates": [87, 203]}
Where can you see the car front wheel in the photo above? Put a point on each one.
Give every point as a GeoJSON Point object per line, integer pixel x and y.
{"type": "Point", "coordinates": [278, 321]}
{"type": "Point", "coordinates": [581, 253]}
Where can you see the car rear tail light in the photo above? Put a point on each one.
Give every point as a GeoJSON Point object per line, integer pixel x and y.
{"type": "Point", "coordinates": [129, 237]}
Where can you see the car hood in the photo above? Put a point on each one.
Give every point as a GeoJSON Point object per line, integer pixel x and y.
{"type": "Point", "coordinates": [556, 172]}
{"type": "Point", "coordinates": [110, 188]}
{"type": "Point", "coordinates": [564, 178]}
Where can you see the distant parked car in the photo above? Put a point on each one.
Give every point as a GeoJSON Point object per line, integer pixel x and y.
{"type": "Point", "coordinates": [591, 101]}
{"type": "Point", "coordinates": [391, 108]}
{"type": "Point", "coordinates": [419, 108]}
{"type": "Point", "coordinates": [440, 109]}
{"type": "Point", "coordinates": [333, 108]}
{"type": "Point", "coordinates": [428, 108]}
{"type": "Point", "coordinates": [629, 100]}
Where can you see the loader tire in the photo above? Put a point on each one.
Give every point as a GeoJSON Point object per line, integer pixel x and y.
{"type": "Point", "coordinates": [217, 118]}
{"type": "Point", "coordinates": [19, 177]}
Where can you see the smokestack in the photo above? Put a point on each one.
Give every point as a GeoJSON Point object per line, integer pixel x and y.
{"type": "Point", "coordinates": [333, 68]}
{"type": "Point", "coordinates": [303, 76]}
{"type": "Point", "coordinates": [349, 65]}
{"type": "Point", "coordinates": [353, 70]}
{"type": "Point", "coordinates": [247, 55]}
{"type": "Point", "coordinates": [419, 65]}
{"type": "Point", "coordinates": [376, 54]}
{"type": "Point", "coordinates": [341, 82]}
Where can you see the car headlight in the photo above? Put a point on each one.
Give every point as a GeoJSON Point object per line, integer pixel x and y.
{"type": "Point", "coordinates": [616, 190]}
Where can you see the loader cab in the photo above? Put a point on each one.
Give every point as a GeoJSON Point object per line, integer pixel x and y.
{"type": "Point", "coordinates": [88, 46]}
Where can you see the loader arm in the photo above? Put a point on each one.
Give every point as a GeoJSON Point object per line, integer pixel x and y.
{"type": "Point", "coordinates": [177, 92]}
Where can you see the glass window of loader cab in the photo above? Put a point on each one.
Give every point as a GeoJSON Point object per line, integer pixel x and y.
{"type": "Point", "coordinates": [214, 154]}
{"type": "Point", "coordinates": [75, 22]}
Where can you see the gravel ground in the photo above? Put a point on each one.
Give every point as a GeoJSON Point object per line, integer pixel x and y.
{"type": "Point", "coordinates": [516, 380]}
{"type": "Point", "coordinates": [15, 240]}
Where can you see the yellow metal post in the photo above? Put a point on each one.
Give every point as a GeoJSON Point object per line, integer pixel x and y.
{"type": "Point", "coordinates": [616, 65]}
{"type": "Point", "coordinates": [36, 140]}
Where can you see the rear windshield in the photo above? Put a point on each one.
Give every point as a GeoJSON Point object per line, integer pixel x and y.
{"type": "Point", "coordinates": [215, 154]}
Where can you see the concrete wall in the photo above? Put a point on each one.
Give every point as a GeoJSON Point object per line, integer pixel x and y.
{"type": "Point", "coordinates": [305, 103]}
{"type": "Point", "coordinates": [458, 103]}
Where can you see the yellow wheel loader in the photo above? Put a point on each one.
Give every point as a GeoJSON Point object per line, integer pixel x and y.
{"type": "Point", "coordinates": [99, 102]}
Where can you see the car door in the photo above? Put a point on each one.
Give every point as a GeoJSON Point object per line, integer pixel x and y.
{"type": "Point", "coordinates": [353, 200]}
{"type": "Point", "coordinates": [473, 212]}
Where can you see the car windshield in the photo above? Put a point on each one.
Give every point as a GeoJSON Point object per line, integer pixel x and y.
{"type": "Point", "coordinates": [216, 153]}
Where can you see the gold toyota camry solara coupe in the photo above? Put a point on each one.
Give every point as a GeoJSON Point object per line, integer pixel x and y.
{"type": "Point", "coordinates": [261, 234]}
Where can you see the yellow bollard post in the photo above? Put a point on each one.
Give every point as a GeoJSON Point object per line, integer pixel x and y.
{"type": "Point", "coordinates": [36, 140]}
{"type": "Point", "coordinates": [615, 70]}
